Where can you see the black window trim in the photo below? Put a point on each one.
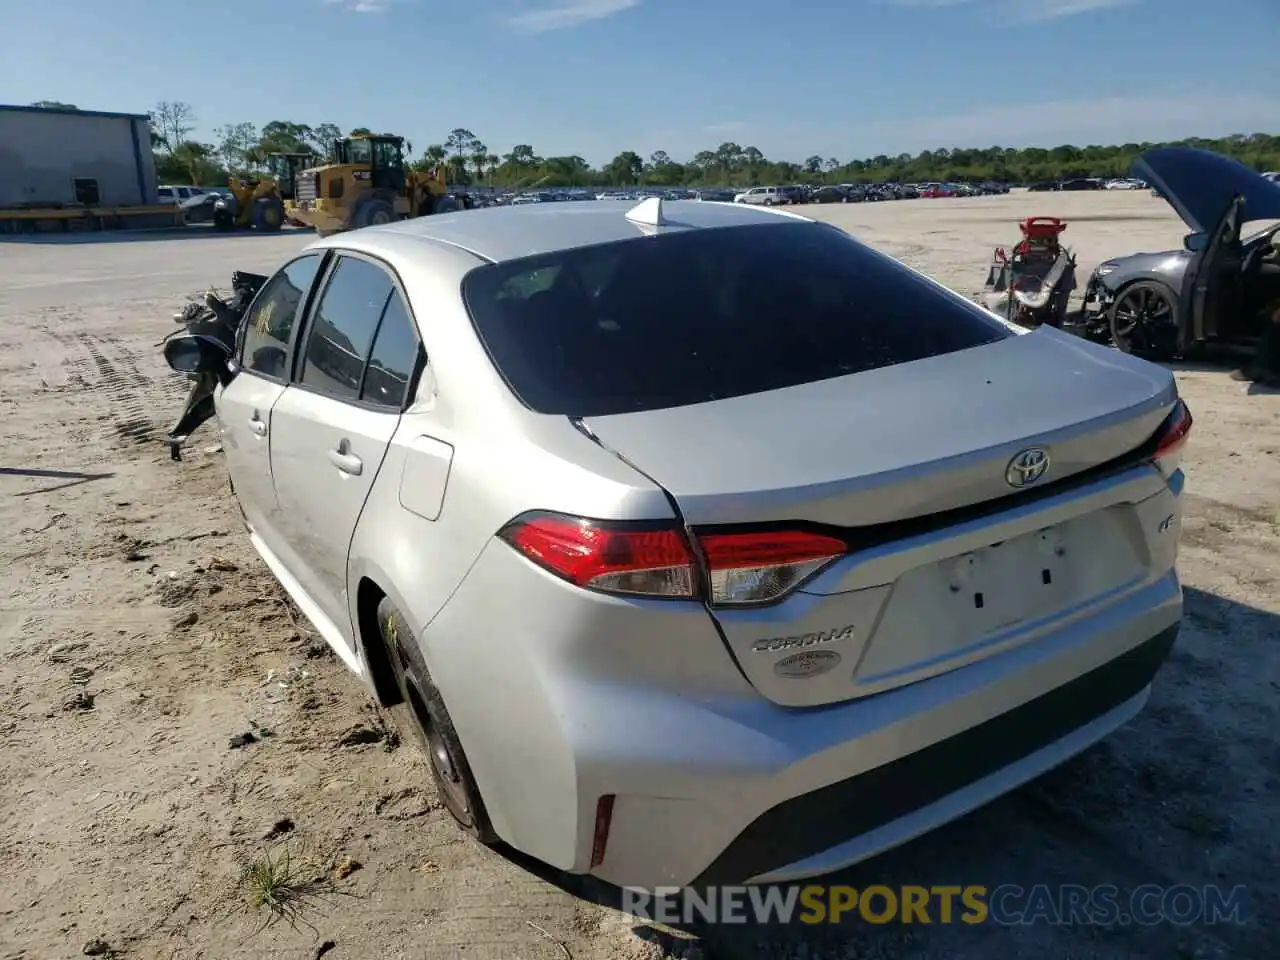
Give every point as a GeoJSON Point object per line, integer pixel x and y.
{"type": "Point", "coordinates": [336, 254]}
{"type": "Point", "coordinates": [304, 308]}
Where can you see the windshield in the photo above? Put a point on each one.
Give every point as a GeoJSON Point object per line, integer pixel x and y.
{"type": "Point", "coordinates": [358, 151]}
{"type": "Point", "coordinates": [702, 315]}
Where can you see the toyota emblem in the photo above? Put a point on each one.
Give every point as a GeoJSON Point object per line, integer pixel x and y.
{"type": "Point", "coordinates": [1027, 466]}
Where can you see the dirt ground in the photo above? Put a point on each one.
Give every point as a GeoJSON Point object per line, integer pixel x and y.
{"type": "Point", "coordinates": [139, 634]}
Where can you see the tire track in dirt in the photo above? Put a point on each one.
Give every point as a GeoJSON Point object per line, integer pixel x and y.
{"type": "Point", "coordinates": [107, 368]}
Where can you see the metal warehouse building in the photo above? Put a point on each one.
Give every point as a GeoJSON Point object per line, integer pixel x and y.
{"type": "Point", "coordinates": [59, 157]}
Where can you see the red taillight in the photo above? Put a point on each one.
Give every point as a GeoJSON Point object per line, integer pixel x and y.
{"type": "Point", "coordinates": [655, 560]}
{"type": "Point", "coordinates": [626, 558]}
{"type": "Point", "coordinates": [1174, 432]}
{"type": "Point", "coordinates": [759, 566]}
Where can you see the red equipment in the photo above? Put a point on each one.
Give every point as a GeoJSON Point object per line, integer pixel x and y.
{"type": "Point", "coordinates": [1033, 286]}
{"type": "Point", "coordinates": [1040, 236]}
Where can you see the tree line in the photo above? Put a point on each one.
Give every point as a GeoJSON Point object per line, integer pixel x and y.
{"type": "Point", "coordinates": [242, 148]}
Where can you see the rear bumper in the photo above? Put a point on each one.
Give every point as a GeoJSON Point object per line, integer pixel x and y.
{"type": "Point", "coordinates": [560, 699]}
{"type": "Point", "coordinates": [854, 780]}
{"type": "Point", "coordinates": [863, 815]}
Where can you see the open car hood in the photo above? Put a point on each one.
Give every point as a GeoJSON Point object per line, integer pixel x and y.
{"type": "Point", "coordinates": [1199, 184]}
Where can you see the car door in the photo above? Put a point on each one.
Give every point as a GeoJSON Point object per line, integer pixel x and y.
{"type": "Point", "coordinates": [1208, 274]}
{"type": "Point", "coordinates": [262, 371]}
{"type": "Point", "coordinates": [331, 428]}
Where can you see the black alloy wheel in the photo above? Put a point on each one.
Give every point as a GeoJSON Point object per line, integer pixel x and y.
{"type": "Point", "coordinates": [421, 716]}
{"type": "Point", "coordinates": [1144, 320]}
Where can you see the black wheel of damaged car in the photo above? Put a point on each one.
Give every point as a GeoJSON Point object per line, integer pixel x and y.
{"type": "Point", "coordinates": [1144, 320]}
{"type": "Point", "coordinates": [223, 217]}
{"type": "Point", "coordinates": [421, 716]}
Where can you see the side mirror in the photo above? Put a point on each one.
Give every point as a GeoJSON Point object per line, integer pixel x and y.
{"type": "Point", "coordinates": [1195, 242]}
{"type": "Point", "coordinates": [198, 354]}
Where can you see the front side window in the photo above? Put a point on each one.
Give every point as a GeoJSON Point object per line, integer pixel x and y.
{"type": "Point", "coordinates": [268, 326]}
{"type": "Point", "coordinates": [700, 315]}
{"type": "Point", "coordinates": [343, 327]}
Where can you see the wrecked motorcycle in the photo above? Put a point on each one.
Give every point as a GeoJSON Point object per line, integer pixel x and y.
{"type": "Point", "coordinates": [219, 320]}
{"type": "Point", "coordinates": [1034, 285]}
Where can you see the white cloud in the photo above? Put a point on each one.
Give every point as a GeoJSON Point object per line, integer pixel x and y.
{"type": "Point", "coordinates": [567, 13]}
{"type": "Point", "coordinates": [1033, 10]}
{"type": "Point", "coordinates": [364, 6]}
{"type": "Point", "coordinates": [1021, 11]}
{"type": "Point", "coordinates": [725, 126]}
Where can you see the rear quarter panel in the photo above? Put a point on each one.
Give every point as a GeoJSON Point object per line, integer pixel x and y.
{"type": "Point", "coordinates": [466, 457]}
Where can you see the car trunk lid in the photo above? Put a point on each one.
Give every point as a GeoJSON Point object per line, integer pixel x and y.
{"type": "Point", "coordinates": [890, 460]}
{"type": "Point", "coordinates": [897, 442]}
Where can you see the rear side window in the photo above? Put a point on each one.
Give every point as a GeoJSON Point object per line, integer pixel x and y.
{"type": "Point", "coordinates": [343, 327]}
{"type": "Point", "coordinates": [394, 356]}
{"type": "Point", "coordinates": [702, 315]}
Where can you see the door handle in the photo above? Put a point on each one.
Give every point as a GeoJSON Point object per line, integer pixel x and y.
{"type": "Point", "coordinates": [346, 462]}
{"type": "Point", "coordinates": [257, 427]}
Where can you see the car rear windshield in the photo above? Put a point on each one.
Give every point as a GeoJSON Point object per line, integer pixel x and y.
{"type": "Point", "coordinates": [700, 315]}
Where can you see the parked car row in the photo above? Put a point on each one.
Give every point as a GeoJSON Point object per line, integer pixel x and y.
{"type": "Point", "coordinates": [1087, 183]}
{"type": "Point", "coordinates": [859, 192]}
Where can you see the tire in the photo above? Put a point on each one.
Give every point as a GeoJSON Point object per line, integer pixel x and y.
{"type": "Point", "coordinates": [268, 214]}
{"type": "Point", "coordinates": [374, 212]}
{"type": "Point", "coordinates": [1143, 320]}
{"type": "Point", "coordinates": [421, 716]}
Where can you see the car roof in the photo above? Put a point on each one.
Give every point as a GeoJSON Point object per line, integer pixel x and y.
{"type": "Point", "coordinates": [500, 234]}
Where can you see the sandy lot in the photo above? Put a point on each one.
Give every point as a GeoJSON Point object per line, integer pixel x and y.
{"type": "Point", "coordinates": [139, 633]}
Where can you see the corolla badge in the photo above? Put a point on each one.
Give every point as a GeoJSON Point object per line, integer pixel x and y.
{"type": "Point", "coordinates": [817, 638]}
{"type": "Point", "coordinates": [810, 663]}
{"type": "Point", "coordinates": [1027, 466]}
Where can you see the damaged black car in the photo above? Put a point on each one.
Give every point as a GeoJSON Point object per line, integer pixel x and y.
{"type": "Point", "coordinates": [1162, 305]}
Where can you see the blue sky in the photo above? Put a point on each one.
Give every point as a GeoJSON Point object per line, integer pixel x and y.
{"type": "Point", "coordinates": [593, 77]}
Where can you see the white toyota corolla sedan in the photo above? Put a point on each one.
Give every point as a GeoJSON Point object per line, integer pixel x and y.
{"type": "Point", "coordinates": [699, 542]}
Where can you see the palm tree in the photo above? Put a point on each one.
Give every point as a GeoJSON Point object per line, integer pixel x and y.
{"type": "Point", "coordinates": [458, 166]}
{"type": "Point", "coordinates": [492, 161]}
{"type": "Point", "coordinates": [479, 158]}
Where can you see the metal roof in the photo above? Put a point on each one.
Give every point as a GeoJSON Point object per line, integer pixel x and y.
{"type": "Point", "coordinates": [67, 111]}
{"type": "Point", "coordinates": [508, 233]}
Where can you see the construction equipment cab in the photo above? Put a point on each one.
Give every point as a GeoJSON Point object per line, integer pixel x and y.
{"type": "Point", "coordinates": [285, 168]}
{"type": "Point", "coordinates": [368, 183]}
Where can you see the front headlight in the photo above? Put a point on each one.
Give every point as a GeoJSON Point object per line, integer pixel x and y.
{"type": "Point", "coordinates": [1104, 269]}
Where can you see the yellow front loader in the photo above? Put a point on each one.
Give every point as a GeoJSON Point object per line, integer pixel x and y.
{"type": "Point", "coordinates": [253, 203]}
{"type": "Point", "coordinates": [367, 184]}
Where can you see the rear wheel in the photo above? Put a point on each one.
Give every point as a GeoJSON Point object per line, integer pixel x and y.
{"type": "Point", "coordinates": [1144, 320]}
{"type": "Point", "coordinates": [421, 716]}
